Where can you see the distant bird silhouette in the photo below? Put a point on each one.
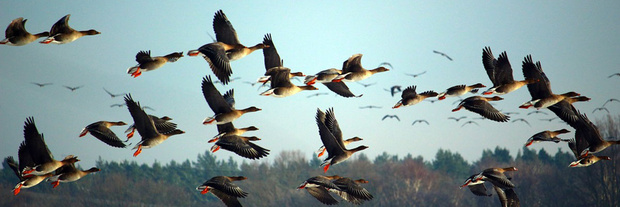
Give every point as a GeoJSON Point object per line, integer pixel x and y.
{"type": "Point", "coordinates": [611, 100]}
{"type": "Point", "coordinates": [118, 105]}
{"type": "Point", "coordinates": [147, 107]}
{"type": "Point", "coordinates": [316, 94]}
{"type": "Point", "coordinates": [442, 54]}
{"type": "Point", "coordinates": [457, 119]}
{"type": "Point", "coordinates": [366, 85]}
{"type": "Point", "coordinates": [390, 116]}
{"type": "Point", "coordinates": [370, 107]}
{"type": "Point", "coordinates": [386, 63]}
{"type": "Point", "coordinates": [612, 75]}
{"type": "Point", "coordinates": [41, 84]}
{"type": "Point", "coordinates": [549, 120]}
{"type": "Point", "coordinates": [523, 120]}
{"type": "Point", "coordinates": [231, 80]}
{"type": "Point", "coordinates": [113, 95]}
{"type": "Point", "coordinates": [457, 101]}
{"type": "Point", "coordinates": [250, 83]}
{"type": "Point", "coordinates": [395, 89]}
{"type": "Point", "coordinates": [537, 112]}
{"type": "Point", "coordinates": [432, 101]}
{"type": "Point", "coordinates": [415, 75]}
{"type": "Point", "coordinates": [420, 121]}
{"type": "Point", "coordinates": [470, 122]}
{"type": "Point", "coordinates": [510, 113]}
{"type": "Point", "coordinates": [600, 109]}
{"type": "Point", "coordinates": [73, 88]}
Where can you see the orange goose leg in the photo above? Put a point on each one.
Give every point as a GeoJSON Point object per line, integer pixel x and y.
{"type": "Point", "coordinates": [313, 81]}
{"type": "Point", "coordinates": [16, 190]}
{"type": "Point", "coordinates": [28, 171]}
{"type": "Point", "coordinates": [130, 135]}
{"type": "Point", "coordinates": [84, 133]}
{"type": "Point", "coordinates": [216, 149]}
{"type": "Point", "coordinates": [138, 151]}
{"type": "Point", "coordinates": [55, 184]}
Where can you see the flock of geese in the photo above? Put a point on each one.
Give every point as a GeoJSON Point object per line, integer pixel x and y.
{"type": "Point", "coordinates": [37, 164]}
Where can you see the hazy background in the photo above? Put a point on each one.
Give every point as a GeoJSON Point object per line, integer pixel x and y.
{"type": "Point", "coordinates": [577, 43]}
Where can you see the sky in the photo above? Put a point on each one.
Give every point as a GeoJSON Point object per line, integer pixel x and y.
{"type": "Point", "coordinates": [576, 42]}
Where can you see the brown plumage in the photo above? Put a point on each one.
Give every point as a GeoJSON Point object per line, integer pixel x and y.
{"type": "Point", "coordinates": [101, 130]}
{"type": "Point", "coordinates": [145, 126]}
{"type": "Point", "coordinates": [588, 132]}
{"type": "Point", "coordinates": [480, 105]}
{"type": "Point", "coordinates": [224, 112]}
{"type": "Point", "coordinates": [224, 189]}
{"type": "Point", "coordinates": [352, 191]}
{"type": "Point", "coordinates": [547, 136]}
{"type": "Point", "coordinates": [346, 142]}
{"type": "Point", "coordinates": [281, 85]}
{"type": "Point", "coordinates": [497, 177]}
{"type": "Point", "coordinates": [410, 97]}
{"type": "Point", "coordinates": [460, 90]}
{"type": "Point", "coordinates": [62, 33]}
{"type": "Point", "coordinates": [24, 160]}
{"type": "Point", "coordinates": [500, 73]}
{"type": "Point", "coordinates": [279, 75]}
{"type": "Point", "coordinates": [148, 63]}
{"type": "Point", "coordinates": [352, 70]}
{"type": "Point", "coordinates": [227, 48]}
{"type": "Point", "coordinates": [331, 136]}
{"type": "Point", "coordinates": [542, 96]}
{"type": "Point", "coordinates": [241, 145]}
{"type": "Point", "coordinates": [163, 125]}
{"type": "Point", "coordinates": [501, 184]}
{"type": "Point", "coordinates": [69, 173]}
{"type": "Point", "coordinates": [16, 34]}
{"type": "Point", "coordinates": [320, 186]}
{"type": "Point", "coordinates": [42, 160]}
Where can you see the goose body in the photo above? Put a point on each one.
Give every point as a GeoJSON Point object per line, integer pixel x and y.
{"type": "Point", "coordinates": [146, 127]}
{"type": "Point", "coordinates": [62, 33]}
{"type": "Point", "coordinates": [16, 34]}
{"type": "Point", "coordinates": [148, 63]}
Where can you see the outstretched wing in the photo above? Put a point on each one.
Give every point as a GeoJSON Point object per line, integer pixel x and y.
{"type": "Point", "coordinates": [213, 97]}
{"type": "Point", "coordinates": [224, 31]}
{"type": "Point", "coordinates": [219, 63]}
{"type": "Point", "coordinates": [36, 143]}
{"type": "Point", "coordinates": [61, 26]}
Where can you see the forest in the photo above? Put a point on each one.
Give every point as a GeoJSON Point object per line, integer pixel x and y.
{"type": "Point", "coordinates": [543, 179]}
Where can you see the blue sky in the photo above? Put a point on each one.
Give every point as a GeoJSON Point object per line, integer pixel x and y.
{"type": "Point", "coordinates": [576, 42]}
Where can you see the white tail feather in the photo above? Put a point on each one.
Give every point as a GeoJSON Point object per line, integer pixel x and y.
{"type": "Point", "coordinates": [132, 69]}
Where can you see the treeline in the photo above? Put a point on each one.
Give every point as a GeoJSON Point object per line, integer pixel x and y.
{"type": "Point", "coordinates": [543, 179]}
